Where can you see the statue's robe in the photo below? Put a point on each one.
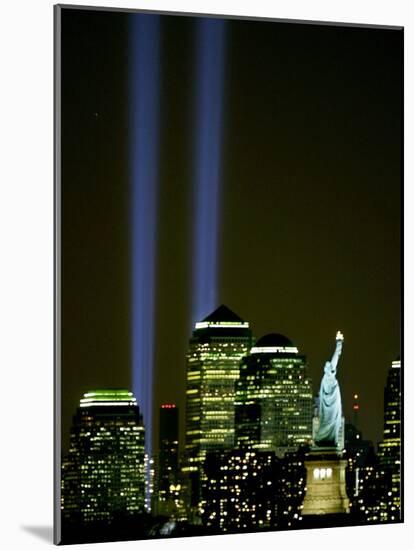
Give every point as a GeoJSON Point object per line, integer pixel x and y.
{"type": "Point", "coordinates": [330, 410]}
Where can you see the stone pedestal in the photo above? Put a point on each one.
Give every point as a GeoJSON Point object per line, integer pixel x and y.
{"type": "Point", "coordinates": [325, 483]}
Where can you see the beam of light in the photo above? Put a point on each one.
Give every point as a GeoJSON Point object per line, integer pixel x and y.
{"type": "Point", "coordinates": [206, 204]}
{"type": "Point", "coordinates": [144, 74]}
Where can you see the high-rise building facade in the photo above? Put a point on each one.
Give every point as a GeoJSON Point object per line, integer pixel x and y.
{"type": "Point", "coordinates": [274, 400]}
{"type": "Point", "coordinates": [389, 452]}
{"type": "Point", "coordinates": [216, 348]}
{"type": "Point", "coordinates": [103, 474]}
{"type": "Point", "coordinates": [359, 455]}
{"type": "Point", "coordinates": [168, 441]}
{"type": "Point", "coordinates": [166, 463]}
{"type": "Point", "coordinates": [369, 498]}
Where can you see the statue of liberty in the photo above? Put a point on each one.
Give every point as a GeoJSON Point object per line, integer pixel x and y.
{"type": "Point", "coordinates": [330, 406]}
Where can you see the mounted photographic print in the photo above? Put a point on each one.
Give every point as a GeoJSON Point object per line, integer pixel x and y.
{"type": "Point", "coordinates": [228, 283]}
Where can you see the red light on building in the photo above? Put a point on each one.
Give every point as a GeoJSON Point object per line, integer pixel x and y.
{"type": "Point", "coordinates": [168, 406]}
{"type": "Point", "coordinates": [356, 407]}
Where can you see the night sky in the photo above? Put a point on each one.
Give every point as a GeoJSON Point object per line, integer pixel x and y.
{"type": "Point", "coordinates": [310, 209]}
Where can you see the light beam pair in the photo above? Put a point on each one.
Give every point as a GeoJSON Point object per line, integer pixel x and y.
{"type": "Point", "coordinates": [145, 75]}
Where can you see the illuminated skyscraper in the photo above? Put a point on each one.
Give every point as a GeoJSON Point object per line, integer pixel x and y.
{"type": "Point", "coordinates": [168, 439]}
{"type": "Point", "coordinates": [274, 401]}
{"type": "Point", "coordinates": [216, 348]}
{"type": "Point", "coordinates": [389, 451]}
{"type": "Point", "coordinates": [103, 475]}
{"type": "Point", "coordinates": [361, 460]}
{"type": "Point", "coordinates": [370, 494]}
{"type": "Point", "coordinates": [167, 472]}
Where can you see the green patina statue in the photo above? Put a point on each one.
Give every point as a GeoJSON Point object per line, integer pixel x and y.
{"type": "Point", "coordinates": [330, 406]}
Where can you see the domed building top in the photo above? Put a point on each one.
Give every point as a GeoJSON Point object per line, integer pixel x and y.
{"type": "Point", "coordinates": [274, 340]}
{"type": "Point", "coordinates": [274, 343]}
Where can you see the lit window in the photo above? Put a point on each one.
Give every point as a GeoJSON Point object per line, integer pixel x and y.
{"type": "Point", "coordinates": [322, 473]}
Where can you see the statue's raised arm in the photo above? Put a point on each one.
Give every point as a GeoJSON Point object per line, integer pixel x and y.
{"type": "Point", "coordinates": [338, 350]}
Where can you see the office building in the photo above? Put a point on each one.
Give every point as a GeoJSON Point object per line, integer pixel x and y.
{"type": "Point", "coordinates": [216, 348]}
{"type": "Point", "coordinates": [389, 451]}
{"type": "Point", "coordinates": [167, 484]}
{"type": "Point", "coordinates": [274, 400]}
{"type": "Point", "coordinates": [103, 474]}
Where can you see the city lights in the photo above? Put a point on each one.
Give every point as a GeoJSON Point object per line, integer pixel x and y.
{"type": "Point", "coordinates": [249, 462]}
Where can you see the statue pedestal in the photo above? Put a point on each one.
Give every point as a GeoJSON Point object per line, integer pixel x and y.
{"type": "Point", "coordinates": [325, 483]}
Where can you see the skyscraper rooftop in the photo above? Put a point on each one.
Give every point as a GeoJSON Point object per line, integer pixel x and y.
{"type": "Point", "coordinates": [223, 314]}
{"type": "Point", "coordinates": [222, 317]}
{"type": "Point", "coordinates": [107, 398]}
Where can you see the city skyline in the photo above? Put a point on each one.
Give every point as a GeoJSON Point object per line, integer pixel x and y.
{"type": "Point", "coordinates": [349, 407]}
{"type": "Point", "coordinates": [236, 482]}
{"type": "Point", "coordinates": [274, 347]}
